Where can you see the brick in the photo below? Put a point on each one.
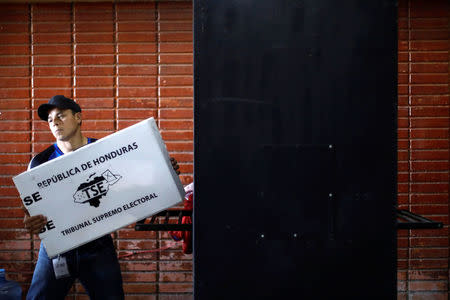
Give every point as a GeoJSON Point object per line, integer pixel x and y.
{"type": "Point", "coordinates": [175, 26]}
{"type": "Point", "coordinates": [136, 114]}
{"type": "Point", "coordinates": [430, 154]}
{"type": "Point", "coordinates": [176, 91]}
{"type": "Point", "coordinates": [13, 38]}
{"type": "Point", "coordinates": [94, 71]}
{"type": "Point", "coordinates": [14, 93]}
{"type": "Point", "coordinates": [139, 277]}
{"type": "Point", "coordinates": [137, 81]}
{"type": "Point", "coordinates": [14, 71]}
{"type": "Point", "coordinates": [137, 59]}
{"type": "Point", "coordinates": [15, 245]}
{"type": "Point", "coordinates": [176, 114]}
{"type": "Point", "coordinates": [430, 100]}
{"type": "Point", "coordinates": [107, 59]}
{"type": "Point", "coordinates": [146, 26]}
{"type": "Point", "coordinates": [88, 15]}
{"type": "Point", "coordinates": [123, 37]}
{"type": "Point", "coordinates": [429, 35]}
{"type": "Point", "coordinates": [45, 60]}
{"type": "Point", "coordinates": [429, 242]}
{"type": "Point", "coordinates": [94, 27]}
{"type": "Point", "coordinates": [132, 234]}
{"type": "Point", "coordinates": [139, 288]}
{"type": "Point", "coordinates": [14, 159]}
{"type": "Point", "coordinates": [429, 56]}
{"type": "Point", "coordinates": [137, 103]}
{"type": "Point", "coordinates": [176, 80]}
{"type": "Point", "coordinates": [137, 92]}
{"type": "Point", "coordinates": [136, 245]}
{"type": "Point", "coordinates": [177, 135]}
{"type": "Point", "coordinates": [429, 188]}
{"type": "Point", "coordinates": [175, 70]}
{"type": "Point", "coordinates": [176, 297]}
{"type": "Point", "coordinates": [15, 28]}
{"type": "Point", "coordinates": [176, 5]}
{"type": "Point", "coordinates": [52, 82]}
{"type": "Point", "coordinates": [123, 6]}
{"type": "Point", "coordinates": [15, 16]}
{"type": "Point", "coordinates": [14, 82]}
{"type": "Point", "coordinates": [416, 264]}
{"type": "Point", "coordinates": [430, 177]}
{"type": "Point", "coordinates": [421, 10]}
{"type": "Point", "coordinates": [52, 71]}
{"type": "Point", "coordinates": [429, 23]}
{"type": "Point", "coordinates": [99, 125]}
{"type": "Point", "coordinates": [94, 49]}
{"type": "Point", "coordinates": [137, 70]}
{"type": "Point", "coordinates": [427, 275]}
{"type": "Point", "coordinates": [52, 49]}
{"type": "Point", "coordinates": [136, 15]}
{"type": "Point", "coordinates": [182, 125]}
{"type": "Point", "coordinates": [430, 209]}
{"type": "Point", "coordinates": [429, 166]}
{"type": "Point", "coordinates": [97, 92]}
{"type": "Point", "coordinates": [137, 48]}
{"type": "Point", "coordinates": [94, 81]}
{"type": "Point", "coordinates": [429, 296]}
{"type": "Point", "coordinates": [429, 89]}
{"type": "Point", "coordinates": [97, 114]}
{"type": "Point", "coordinates": [180, 146]}
{"type": "Point", "coordinates": [47, 93]}
{"type": "Point", "coordinates": [176, 47]}
{"type": "Point", "coordinates": [10, 202]}
{"type": "Point", "coordinates": [14, 61]}
{"type": "Point", "coordinates": [138, 266]}
{"type": "Point", "coordinates": [175, 37]}
{"type": "Point", "coordinates": [15, 256]}
{"type": "Point", "coordinates": [14, 136]}
{"type": "Point", "coordinates": [438, 133]}
{"type": "Point", "coordinates": [430, 122]}
{"type": "Point", "coordinates": [51, 27]}
{"type": "Point", "coordinates": [430, 144]}
{"type": "Point", "coordinates": [429, 199]}
{"type": "Point", "coordinates": [52, 38]}
{"type": "Point", "coordinates": [54, 15]}
{"type": "Point", "coordinates": [14, 103]}
{"type": "Point", "coordinates": [428, 285]}
{"type": "Point", "coordinates": [429, 78]}
{"type": "Point", "coordinates": [178, 287]}
{"type": "Point", "coordinates": [183, 15]}
{"type": "Point", "coordinates": [175, 276]}
{"type": "Point", "coordinates": [429, 67]}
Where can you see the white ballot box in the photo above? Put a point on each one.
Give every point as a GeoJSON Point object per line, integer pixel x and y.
{"type": "Point", "coordinates": [101, 187]}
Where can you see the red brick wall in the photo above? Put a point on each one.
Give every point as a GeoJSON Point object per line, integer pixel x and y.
{"type": "Point", "coordinates": [423, 142]}
{"type": "Point", "coordinates": [127, 61]}
{"type": "Point", "coordinates": [123, 63]}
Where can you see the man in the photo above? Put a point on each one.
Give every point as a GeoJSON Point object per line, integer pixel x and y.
{"type": "Point", "coordinates": [95, 264]}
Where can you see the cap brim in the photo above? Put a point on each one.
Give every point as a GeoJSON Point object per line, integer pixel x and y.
{"type": "Point", "coordinates": [43, 111]}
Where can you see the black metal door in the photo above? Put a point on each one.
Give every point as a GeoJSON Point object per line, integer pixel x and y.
{"type": "Point", "coordinates": [295, 149]}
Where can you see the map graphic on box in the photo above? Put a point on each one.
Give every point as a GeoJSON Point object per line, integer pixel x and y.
{"type": "Point", "coordinates": [101, 187]}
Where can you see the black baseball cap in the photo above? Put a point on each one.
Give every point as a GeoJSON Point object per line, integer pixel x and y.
{"type": "Point", "coordinates": [60, 102]}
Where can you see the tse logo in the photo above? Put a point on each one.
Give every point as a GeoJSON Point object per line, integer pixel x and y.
{"type": "Point", "coordinates": [33, 198]}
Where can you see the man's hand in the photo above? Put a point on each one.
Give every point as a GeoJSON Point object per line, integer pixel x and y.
{"type": "Point", "coordinates": [35, 223]}
{"type": "Point", "coordinates": [175, 165]}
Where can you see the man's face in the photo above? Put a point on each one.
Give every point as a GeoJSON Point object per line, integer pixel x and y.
{"type": "Point", "coordinates": [63, 123]}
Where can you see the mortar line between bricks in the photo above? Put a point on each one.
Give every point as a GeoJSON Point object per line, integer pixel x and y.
{"type": "Point", "coordinates": [73, 45]}
{"type": "Point", "coordinates": [116, 69]}
{"type": "Point", "coordinates": [158, 95]}
{"type": "Point", "coordinates": [409, 144]}
{"type": "Point", "coordinates": [31, 60]}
